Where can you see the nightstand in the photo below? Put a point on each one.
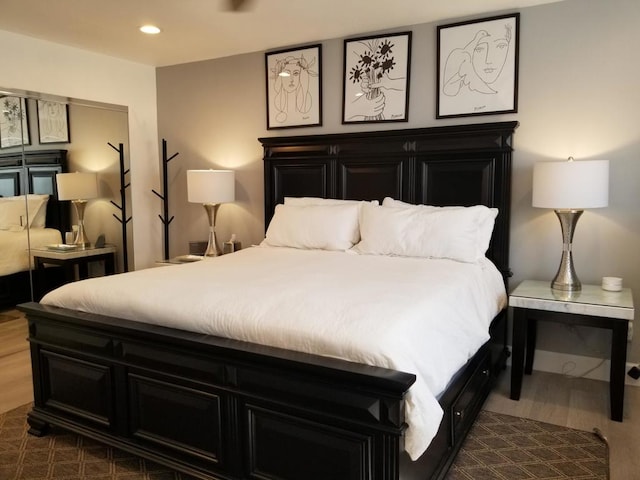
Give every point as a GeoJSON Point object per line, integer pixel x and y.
{"type": "Point", "coordinates": [69, 259]}
{"type": "Point", "coordinates": [535, 300]}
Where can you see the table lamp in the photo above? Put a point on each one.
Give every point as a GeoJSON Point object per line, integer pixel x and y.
{"type": "Point", "coordinates": [78, 187]}
{"type": "Point", "coordinates": [211, 188]}
{"type": "Point", "coordinates": [569, 188]}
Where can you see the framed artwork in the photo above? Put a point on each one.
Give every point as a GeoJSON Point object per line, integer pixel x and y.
{"type": "Point", "coordinates": [53, 122]}
{"type": "Point", "coordinates": [478, 67]}
{"type": "Point", "coordinates": [294, 87]}
{"type": "Point", "coordinates": [14, 122]}
{"type": "Point", "coordinates": [376, 79]}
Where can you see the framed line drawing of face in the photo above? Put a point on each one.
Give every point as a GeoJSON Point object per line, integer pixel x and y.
{"type": "Point", "coordinates": [478, 67]}
{"type": "Point", "coordinates": [53, 122]}
{"type": "Point", "coordinates": [294, 87]}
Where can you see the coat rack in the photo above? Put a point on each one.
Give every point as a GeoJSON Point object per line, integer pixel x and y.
{"type": "Point", "coordinates": [123, 205]}
{"type": "Point", "coordinates": [164, 218]}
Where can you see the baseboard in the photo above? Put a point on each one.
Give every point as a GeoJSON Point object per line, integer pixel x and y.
{"type": "Point", "coordinates": [578, 366]}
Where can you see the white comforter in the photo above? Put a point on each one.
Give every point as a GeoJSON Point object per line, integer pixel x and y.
{"type": "Point", "coordinates": [14, 247]}
{"type": "Point", "coordinates": [425, 317]}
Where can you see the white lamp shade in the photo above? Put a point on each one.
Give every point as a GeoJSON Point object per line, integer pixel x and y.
{"type": "Point", "coordinates": [211, 186]}
{"type": "Point", "coordinates": [77, 186]}
{"type": "Point", "coordinates": [571, 185]}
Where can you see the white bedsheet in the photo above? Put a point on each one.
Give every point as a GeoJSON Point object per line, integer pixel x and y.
{"type": "Point", "coordinates": [14, 254]}
{"type": "Point", "coordinates": [425, 317]}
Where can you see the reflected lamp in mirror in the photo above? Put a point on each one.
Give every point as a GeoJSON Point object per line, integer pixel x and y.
{"type": "Point", "coordinates": [570, 187]}
{"type": "Point", "coordinates": [211, 188]}
{"type": "Point", "coordinates": [78, 187]}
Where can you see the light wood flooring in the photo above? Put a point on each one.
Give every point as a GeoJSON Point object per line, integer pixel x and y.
{"type": "Point", "coordinates": [15, 363]}
{"type": "Point", "coordinates": [573, 402]}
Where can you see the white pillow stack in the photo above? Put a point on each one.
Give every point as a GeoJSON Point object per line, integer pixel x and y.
{"type": "Point", "coordinates": [13, 212]}
{"type": "Point", "coordinates": [395, 228]}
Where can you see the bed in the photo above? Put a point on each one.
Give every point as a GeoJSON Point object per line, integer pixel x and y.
{"type": "Point", "coordinates": [48, 217]}
{"type": "Point", "coordinates": [234, 407]}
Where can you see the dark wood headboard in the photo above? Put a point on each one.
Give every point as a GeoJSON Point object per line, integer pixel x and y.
{"type": "Point", "coordinates": [454, 165]}
{"type": "Point", "coordinates": [40, 168]}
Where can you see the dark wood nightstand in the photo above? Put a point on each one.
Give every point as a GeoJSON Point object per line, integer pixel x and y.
{"type": "Point", "coordinates": [69, 260]}
{"type": "Point", "coordinates": [534, 300]}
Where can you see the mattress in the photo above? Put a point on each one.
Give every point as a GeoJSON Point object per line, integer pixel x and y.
{"type": "Point", "coordinates": [417, 315]}
{"type": "Point", "coordinates": [14, 247]}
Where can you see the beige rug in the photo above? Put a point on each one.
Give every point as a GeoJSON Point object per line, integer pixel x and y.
{"type": "Point", "coordinates": [502, 447]}
{"type": "Point", "coordinates": [498, 447]}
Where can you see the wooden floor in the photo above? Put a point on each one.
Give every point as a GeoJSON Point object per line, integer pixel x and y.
{"type": "Point", "coordinates": [574, 402]}
{"type": "Point", "coordinates": [15, 364]}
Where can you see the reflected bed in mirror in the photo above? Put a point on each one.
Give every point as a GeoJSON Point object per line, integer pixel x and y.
{"type": "Point", "coordinates": [30, 215]}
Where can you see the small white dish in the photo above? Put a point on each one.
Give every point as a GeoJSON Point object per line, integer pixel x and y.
{"type": "Point", "coordinates": [612, 284]}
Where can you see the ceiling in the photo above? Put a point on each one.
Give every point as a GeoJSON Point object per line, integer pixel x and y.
{"type": "Point", "coordinates": [195, 30]}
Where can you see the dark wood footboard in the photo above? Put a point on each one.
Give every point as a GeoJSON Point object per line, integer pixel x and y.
{"type": "Point", "coordinates": [211, 407]}
{"type": "Point", "coordinates": [221, 409]}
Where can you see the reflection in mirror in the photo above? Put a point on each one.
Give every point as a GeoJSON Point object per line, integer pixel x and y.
{"type": "Point", "coordinates": [68, 136]}
{"type": "Point", "coordinates": [94, 132]}
{"type": "Point", "coordinates": [14, 247]}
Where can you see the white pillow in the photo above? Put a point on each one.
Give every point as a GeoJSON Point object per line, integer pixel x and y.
{"type": "Point", "coordinates": [302, 201]}
{"type": "Point", "coordinates": [323, 227]}
{"type": "Point", "coordinates": [13, 211]}
{"type": "Point", "coordinates": [486, 220]}
{"type": "Point", "coordinates": [414, 231]}
{"type": "Point", "coordinates": [37, 210]}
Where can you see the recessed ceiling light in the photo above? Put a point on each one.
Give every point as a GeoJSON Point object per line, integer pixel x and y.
{"type": "Point", "coordinates": [150, 29]}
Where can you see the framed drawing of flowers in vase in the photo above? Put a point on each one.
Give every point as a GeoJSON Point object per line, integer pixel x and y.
{"type": "Point", "coordinates": [14, 122]}
{"type": "Point", "coordinates": [376, 78]}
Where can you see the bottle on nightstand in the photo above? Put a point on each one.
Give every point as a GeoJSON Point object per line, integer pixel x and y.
{"type": "Point", "coordinates": [231, 246]}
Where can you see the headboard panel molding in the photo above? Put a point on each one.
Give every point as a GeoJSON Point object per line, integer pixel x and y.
{"type": "Point", "coordinates": [453, 165]}
{"type": "Point", "coordinates": [40, 168]}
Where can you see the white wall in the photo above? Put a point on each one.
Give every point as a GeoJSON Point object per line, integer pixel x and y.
{"type": "Point", "coordinates": [578, 95]}
{"type": "Point", "coordinates": [33, 65]}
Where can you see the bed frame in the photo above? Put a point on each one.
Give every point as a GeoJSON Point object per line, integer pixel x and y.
{"type": "Point", "coordinates": [221, 409]}
{"type": "Point", "coordinates": [40, 168]}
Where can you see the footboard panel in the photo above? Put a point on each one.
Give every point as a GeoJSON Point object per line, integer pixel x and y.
{"type": "Point", "coordinates": [211, 407]}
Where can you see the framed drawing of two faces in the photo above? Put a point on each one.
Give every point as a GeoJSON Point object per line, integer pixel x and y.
{"type": "Point", "coordinates": [478, 67]}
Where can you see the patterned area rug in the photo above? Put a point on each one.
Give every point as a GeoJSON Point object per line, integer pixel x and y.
{"type": "Point", "coordinates": [502, 447]}
{"type": "Point", "coordinates": [65, 456]}
{"type": "Point", "coordinates": [498, 447]}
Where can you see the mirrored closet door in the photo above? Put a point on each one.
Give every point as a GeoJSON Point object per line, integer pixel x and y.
{"type": "Point", "coordinates": [42, 137]}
